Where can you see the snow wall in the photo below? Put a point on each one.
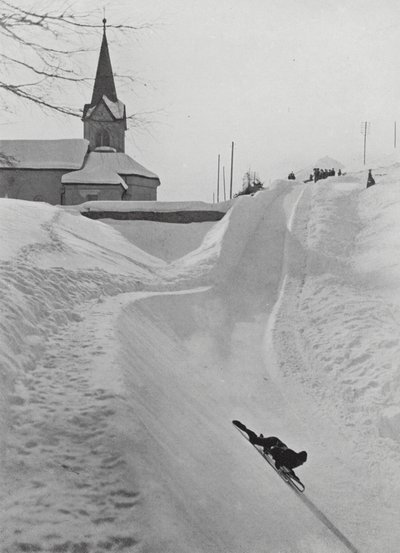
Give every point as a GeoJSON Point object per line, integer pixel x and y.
{"type": "Point", "coordinates": [121, 374]}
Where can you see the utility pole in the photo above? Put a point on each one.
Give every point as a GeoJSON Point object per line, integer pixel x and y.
{"type": "Point", "coordinates": [230, 195]}
{"type": "Point", "coordinates": [223, 174]}
{"type": "Point", "coordinates": [219, 162]}
{"type": "Point", "coordinates": [395, 135]}
{"type": "Point", "coordinates": [365, 126]}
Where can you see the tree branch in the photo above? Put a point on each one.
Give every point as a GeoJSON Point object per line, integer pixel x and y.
{"type": "Point", "coordinates": [68, 19]}
{"type": "Point", "coordinates": [45, 42]}
{"type": "Point", "coordinates": [55, 74]}
{"type": "Point", "coordinates": [17, 90]}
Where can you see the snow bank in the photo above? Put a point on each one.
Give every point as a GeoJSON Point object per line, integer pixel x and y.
{"type": "Point", "coordinates": [153, 206]}
{"type": "Point", "coordinates": [53, 263]}
{"type": "Point", "coordinates": [118, 405]}
{"type": "Point", "coordinates": [168, 241]}
{"type": "Point", "coordinates": [50, 236]}
{"type": "Point", "coordinates": [376, 261]}
{"type": "Point", "coordinates": [63, 426]}
{"type": "Point", "coordinates": [22, 226]}
{"type": "Point", "coordinates": [336, 342]}
{"type": "Point", "coordinates": [350, 304]}
{"type": "Point", "coordinates": [378, 242]}
{"type": "Point", "coordinates": [226, 243]}
{"type": "Point", "coordinates": [389, 422]}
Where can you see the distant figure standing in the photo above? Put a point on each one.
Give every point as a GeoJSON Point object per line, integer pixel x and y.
{"type": "Point", "coordinates": [371, 180]}
{"type": "Point", "coordinates": [339, 173]}
{"type": "Point", "coordinates": [292, 176]}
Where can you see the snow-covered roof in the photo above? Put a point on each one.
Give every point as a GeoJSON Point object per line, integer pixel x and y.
{"type": "Point", "coordinates": [103, 166]}
{"type": "Point", "coordinates": [94, 175]}
{"type": "Point", "coordinates": [124, 206]}
{"type": "Point", "coordinates": [43, 154]}
{"type": "Point", "coordinates": [116, 108]}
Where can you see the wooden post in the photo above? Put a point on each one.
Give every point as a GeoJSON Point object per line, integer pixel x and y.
{"type": "Point", "coordinates": [231, 184]}
{"type": "Point", "coordinates": [223, 174]}
{"type": "Point", "coordinates": [364, 131]}
{"type": "Point", "coordinates": [365, 139]}
{"type": "Point", "coordinates": [395, 135]}
{"type": "Point", "coordinates": [219, 162]}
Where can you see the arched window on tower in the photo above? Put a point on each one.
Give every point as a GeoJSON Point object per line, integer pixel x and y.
{"type": "Point", "coordinates": [102, 138]}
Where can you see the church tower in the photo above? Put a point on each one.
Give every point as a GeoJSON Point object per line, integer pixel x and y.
{"type": "Point", "coordinates": [104, 119]}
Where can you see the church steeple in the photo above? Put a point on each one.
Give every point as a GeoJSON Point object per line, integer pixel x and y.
{"type": "Point", "coordinates": [105, 117]}
{"type": "Point", "coordinates": [104, 82]}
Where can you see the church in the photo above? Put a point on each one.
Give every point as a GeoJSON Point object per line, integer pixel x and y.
{"type": "Point", "coordinates": [73, 171]}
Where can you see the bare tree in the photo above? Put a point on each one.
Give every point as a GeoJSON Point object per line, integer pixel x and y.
{"type": "Point", "coordinates": [41, 56]}
{"type": "Point", "coordinates": [251, 184]}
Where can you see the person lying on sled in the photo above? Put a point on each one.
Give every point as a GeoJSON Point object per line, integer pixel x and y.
{"type": "Point", "coordinates": [279, 451]}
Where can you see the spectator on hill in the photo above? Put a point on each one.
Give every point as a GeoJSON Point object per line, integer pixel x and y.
{"type": "Point", "coordinates": [371, 180]}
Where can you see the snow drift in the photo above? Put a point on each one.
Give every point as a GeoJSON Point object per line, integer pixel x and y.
{"type": "Point", "coordinates": [121, 373]}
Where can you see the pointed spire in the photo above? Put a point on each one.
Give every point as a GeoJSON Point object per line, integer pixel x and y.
{"type": "Point", "coordinates": [104, 82]}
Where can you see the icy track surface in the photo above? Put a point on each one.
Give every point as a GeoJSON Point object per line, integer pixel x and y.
{"type": "Point", "coordinates": [121, 373]}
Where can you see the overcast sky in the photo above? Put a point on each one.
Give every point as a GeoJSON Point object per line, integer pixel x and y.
{"type": "Point", "coordinates": [288, 81]}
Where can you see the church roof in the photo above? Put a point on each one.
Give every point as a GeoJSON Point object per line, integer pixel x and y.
{"type": "Point", "coordinates": [94, 175]}
{"type": "Point", "coordinates": [117, 108]}
{"type": "Point", "coordinates": [104, 82]}
{"type": "Point", "coordinates": [43, 154]}
{"type": "Point", "coordinates": [105, 168]}
{"type": "Point", "coordinates": [104, 85]}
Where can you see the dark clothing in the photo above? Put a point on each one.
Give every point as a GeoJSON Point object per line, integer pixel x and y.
{"type": "Point", "coordinates": [287, 457]}
{"type": "Point", "coordinates": [273, 446]}
{"type": "Point", "coordinates": [266, 443]}
{"type": "Point", "coordinates": [371, 180]}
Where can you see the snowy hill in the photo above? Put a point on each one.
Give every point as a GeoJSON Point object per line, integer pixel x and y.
{"type": "Point", "coordinates": [121, 370]}
{"type": "Point", "coordinates": [325, 162]}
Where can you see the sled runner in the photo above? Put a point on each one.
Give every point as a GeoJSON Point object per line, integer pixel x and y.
{"type": "Point", "coordinates": [286, 474]}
